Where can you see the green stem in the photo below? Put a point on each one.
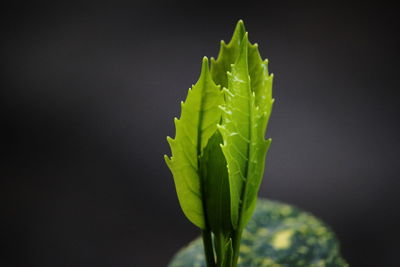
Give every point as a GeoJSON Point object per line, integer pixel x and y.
{"type": "Point", "coordinates": [208, 248]}
{"type": "Point", "coordinates": [236, 239]}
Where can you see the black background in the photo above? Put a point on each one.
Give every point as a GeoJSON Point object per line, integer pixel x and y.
{"type": "Point", "coordinates": [89, 92]}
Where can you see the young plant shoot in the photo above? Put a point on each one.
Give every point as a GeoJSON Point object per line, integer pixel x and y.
{"type": "Point", "coordinates": [219, 150]}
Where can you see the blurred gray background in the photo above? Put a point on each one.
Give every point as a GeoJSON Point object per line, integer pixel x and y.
{"type": "Point", "coordinates": [89, 91]}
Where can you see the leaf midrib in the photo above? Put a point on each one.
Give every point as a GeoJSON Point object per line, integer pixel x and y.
{"type": "Point", "coordinates": [199, 144]}
{"type": "Point", "coordinates": [248, 161]}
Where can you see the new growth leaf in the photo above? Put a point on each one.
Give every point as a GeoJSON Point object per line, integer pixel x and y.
{"type": "Point", "coordinates": [219, 150]}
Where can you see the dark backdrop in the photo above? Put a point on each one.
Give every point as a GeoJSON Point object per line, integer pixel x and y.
{"type": "Point", "coordinates": [89, 92]}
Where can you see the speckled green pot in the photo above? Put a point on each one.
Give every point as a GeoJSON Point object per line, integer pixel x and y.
{"type": "Point", "coordinates": [277, 235]}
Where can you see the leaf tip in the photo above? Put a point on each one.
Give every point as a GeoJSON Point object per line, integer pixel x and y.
{"type": "Point", "coordinates": [204, 68]}
{"type": "Point", "coordinates": [238, 33]}
{"type": "Point", "coordinates": [240, 26]}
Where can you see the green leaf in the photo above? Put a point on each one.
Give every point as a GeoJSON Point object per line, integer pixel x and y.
{"type": "Point", "coordinates": [216, 186]}
{"type": "Point", "coordinates": [228, 54]}
{"type": "Point", "coordinates": [198, 122]}
{"type": "Point", "coordinates": [261, 86]}
{"type": "Point", "coordinates": [244, 120]}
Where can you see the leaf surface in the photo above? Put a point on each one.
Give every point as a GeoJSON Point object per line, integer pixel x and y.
{"type": "Point", "coordinates": [198, 122]}
{"type": "Point", "coordinates": [228, 54]}
{"type": "Point", "coordinates": [216, 186]}
{"type": "Point", "coordinates": [244, 120]}
{"type": "Point", "coordinates": [261, 86]}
